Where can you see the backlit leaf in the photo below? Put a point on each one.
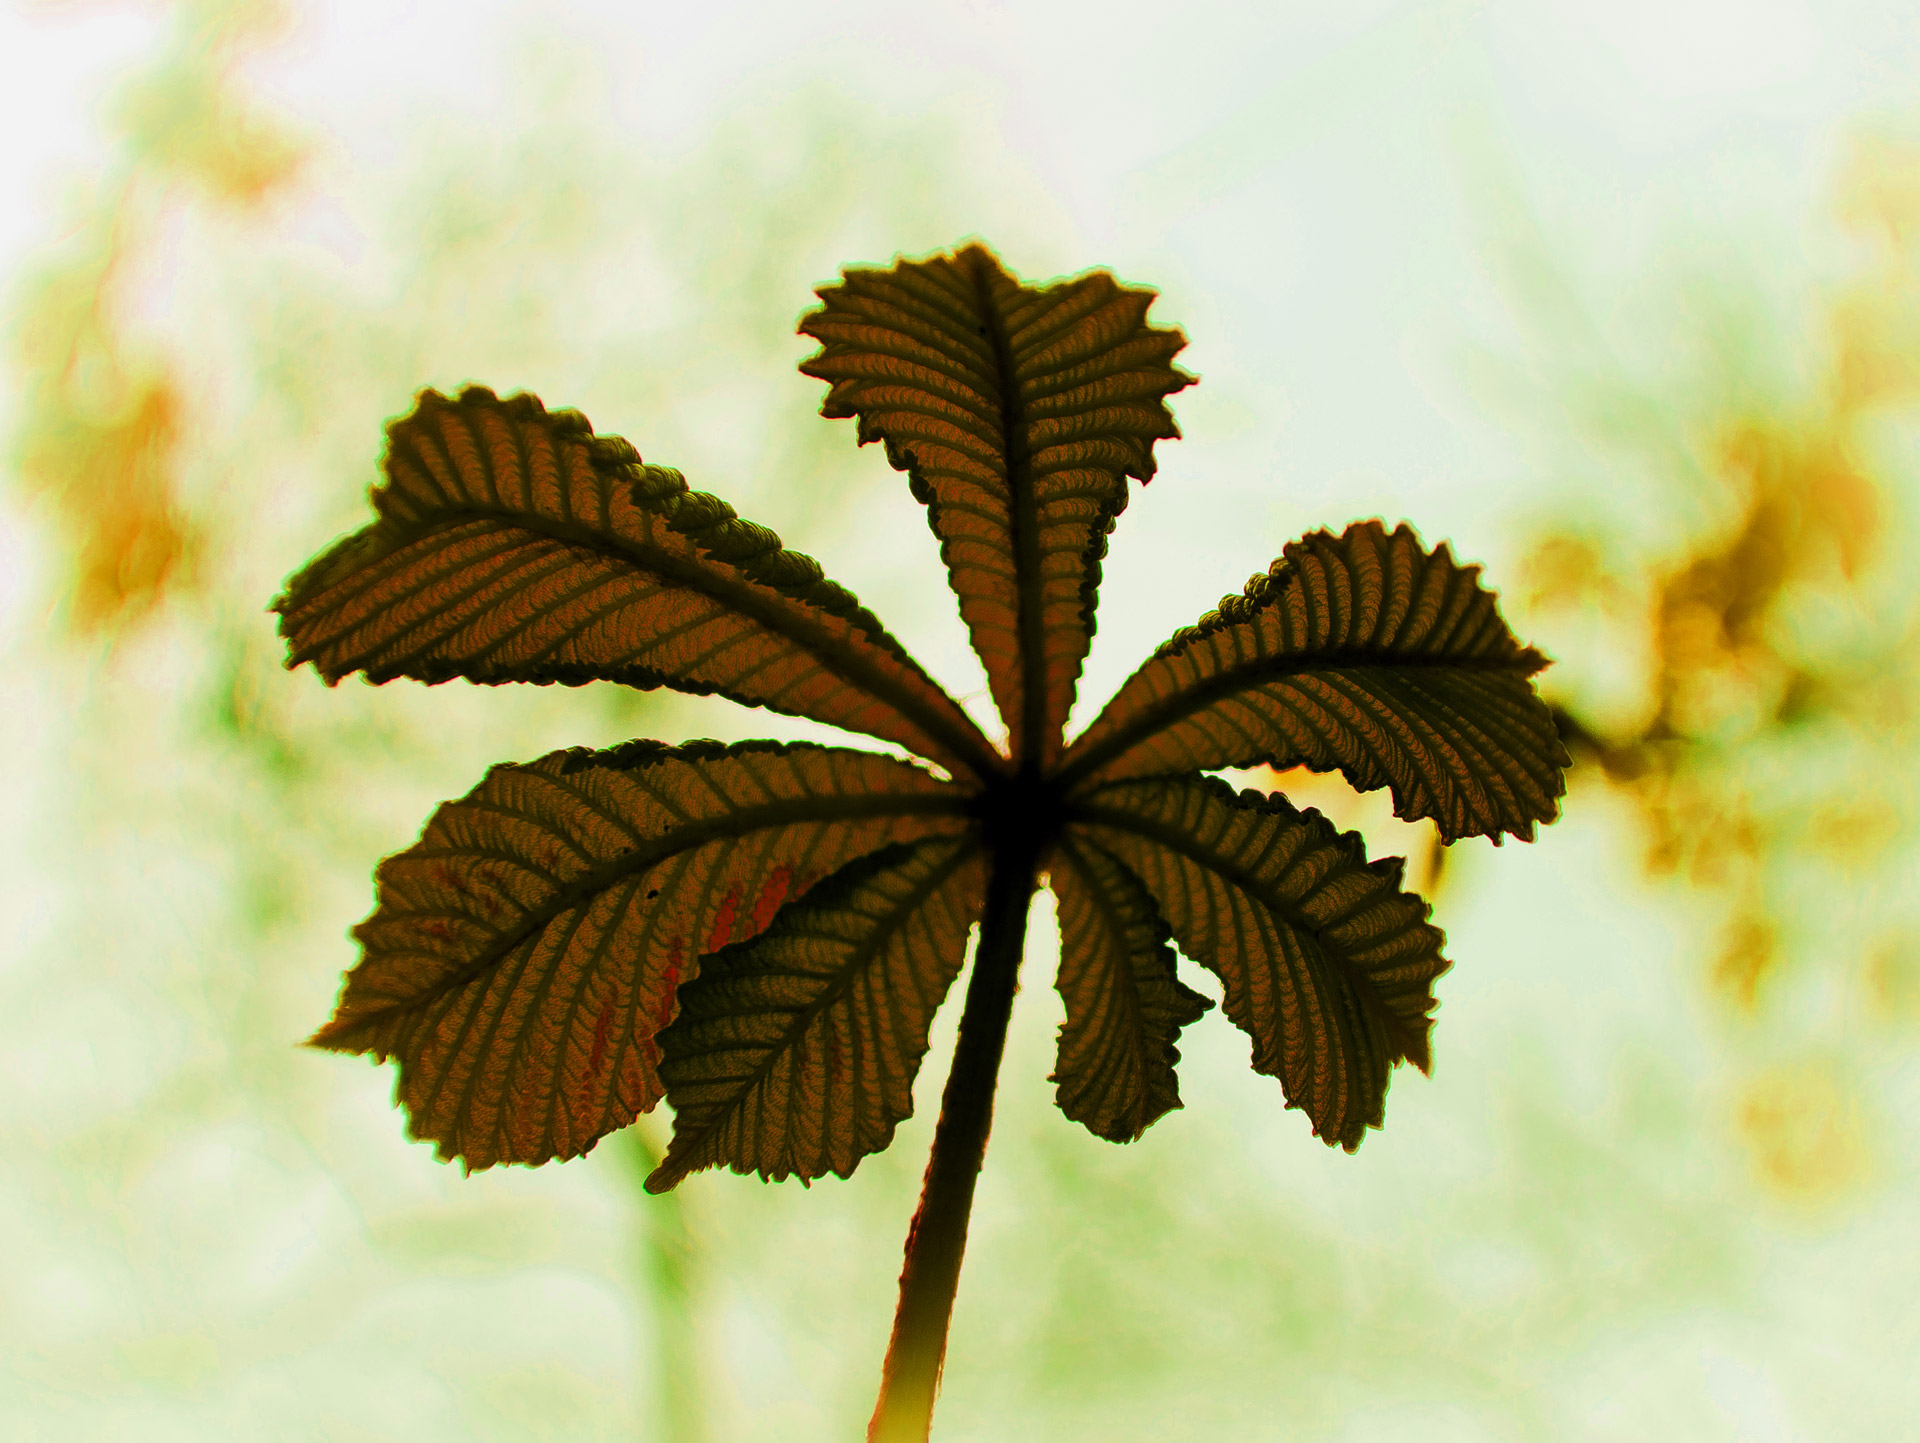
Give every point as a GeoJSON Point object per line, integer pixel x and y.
{"type": "Point", "coordinates": [1018, 413]}
{"type": "Point", "coordinates": [1363, 652]}
{"type": "Point", "coordinates": [515, 545]}
{"type": "Point", "coordinates": [526, 951]}
{"type": "Point", "coordinates": [795, 1053]}
{"type": "Point", "coordinates": [1125, 1007]}
{"type": "Point", "coordinates": [1325, 963]}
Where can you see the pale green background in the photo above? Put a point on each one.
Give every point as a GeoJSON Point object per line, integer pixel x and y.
{"type": "Point", "coordinates": [1425, 253]}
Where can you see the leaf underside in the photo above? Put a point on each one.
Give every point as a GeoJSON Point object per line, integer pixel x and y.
{"type": "Point", "coordinates": [1124, 1005]}
{"type": "Point", "coordinates": [795, 1053]}
{"type": "Point", "coordinates": [515, 545]}
{"type": "Point", "coordinates": [762, 933]}
{"type": "Point", "coordinates": [1018, 414]}
{"type": "Point", "coordinates": [1325, 963]}
{"type": "Point", "coordinates": [525, 953]}
{"type": "Point", "coordinates": [1362, 652]}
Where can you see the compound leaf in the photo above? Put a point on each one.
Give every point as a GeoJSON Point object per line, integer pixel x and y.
{"type": "Point", "coordinates": [515, 545]}
{"type": "Point", "coordinates": [795, 1053]}
{"type": "Point", "coordinates": [1325, 963]}
{"type": "Point", "coordinates": [527, 950]}
{"type": "Point", "coordinates": [1363, 652]}
{"type": "Point", "coordinates": [1018, 413]}
{"type": "Point", "coordinates": [1125, 1007]}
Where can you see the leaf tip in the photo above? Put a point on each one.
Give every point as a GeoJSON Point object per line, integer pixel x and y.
{"type": "Point", "coordinates": [664, 1178]}
{"type": "Point", "coordinates": [333, 1037]}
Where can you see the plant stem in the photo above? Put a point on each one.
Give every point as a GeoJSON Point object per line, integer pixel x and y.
{"type": "Point", "coordinates": [938, 1236]}
{"type": "Point", "coordinates": [666, 1274]}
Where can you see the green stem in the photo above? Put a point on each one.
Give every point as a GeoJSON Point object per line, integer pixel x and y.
{"type": "Point", "coordinates": [666, 1272]}
{"type": "Point", "coordinates": [938, 1236]}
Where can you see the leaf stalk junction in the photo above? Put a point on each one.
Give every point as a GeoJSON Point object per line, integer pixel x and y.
{"type": "Point", "coordinates": [760, 933]}
{"type": "Point", "coordinates": [1020, 818]}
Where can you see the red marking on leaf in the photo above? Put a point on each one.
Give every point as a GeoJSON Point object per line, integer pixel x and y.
{"type": "Point", "coordinates": [601, 1030]}
{"type": "Point", "coordinates": [670, 983]}
{"type": "Point", "coordinates": [723, 924]}
{"type": "Point", "coordinates": [771, 896]}
{"type": "Point", "coordinates": [602, 1034]}
{"type": "Point", "coordinates": [456, 879]}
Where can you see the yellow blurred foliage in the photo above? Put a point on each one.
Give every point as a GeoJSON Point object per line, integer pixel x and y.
{"type": "Point", "coordinates": [1744, 960]}
{"type": "Point", "coordinates": [1876, 321]}
{"type": "Point", "coordinates": [1369, 813]}
{"type": "Point", "coordinates": [1779, 675]}
{"type": "Point", "coordinates": [1804, 1132]}
{"type": "Point", "coordinates": [1809, 519]}
{"type": "Point", "coordinates": [1723, 667]}
{"type": "Point", "coordinates": [1893, 977]}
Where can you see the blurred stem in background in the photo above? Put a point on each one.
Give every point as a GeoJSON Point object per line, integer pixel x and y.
{"type": "Point", "coordinates": [668, 1278]}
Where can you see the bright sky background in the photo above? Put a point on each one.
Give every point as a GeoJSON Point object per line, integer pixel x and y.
{"type": "Point", "coordinates": [1416, 246]}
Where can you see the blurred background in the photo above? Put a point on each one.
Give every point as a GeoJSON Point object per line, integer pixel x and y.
{"type": "Point", "coordinates": [1622, 300]}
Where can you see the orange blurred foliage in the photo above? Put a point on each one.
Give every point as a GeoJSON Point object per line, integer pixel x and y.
{"type": "Point", "coordinates": [100, 441]}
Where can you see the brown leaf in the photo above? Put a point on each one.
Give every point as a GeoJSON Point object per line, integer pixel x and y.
{"type": "Point", "coordinates": [515, 545]}
{"type": "Point", "coordinates": [527, 950]}
{"type": "Point", "coordinates": [1018, 413]}
{"type": "Point", "coordinates": [1125, 1006]}
{"type": "Point", "coordinates": [1364, 652]}
{"type": "Point", "coordinates": [795, 1053]}
{"type": "Point", "coordinates": [1327, 965]}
